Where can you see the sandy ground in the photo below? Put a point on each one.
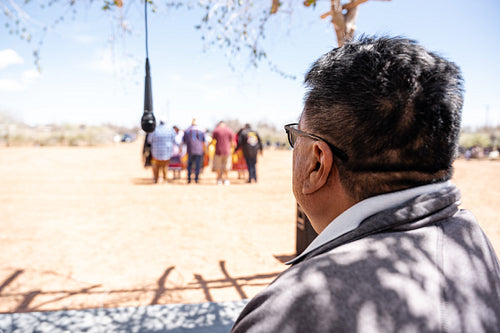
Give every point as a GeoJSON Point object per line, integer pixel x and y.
{"type": "Point", "coordinates": [87, 228]}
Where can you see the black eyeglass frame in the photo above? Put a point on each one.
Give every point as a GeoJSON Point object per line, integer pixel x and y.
{"type": "Point", "coordinates": [290, 128]}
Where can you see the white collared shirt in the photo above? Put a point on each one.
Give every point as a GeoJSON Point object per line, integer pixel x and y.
{"type": "Point", "coordinates": [351, 218]}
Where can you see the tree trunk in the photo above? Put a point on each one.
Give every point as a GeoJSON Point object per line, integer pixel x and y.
{"type": "Point", "coordinates": [350, 22]}
{"type": "Point", "coordinates": [338, 21]}
{"type": "Point", "coordinates": [344, 18]}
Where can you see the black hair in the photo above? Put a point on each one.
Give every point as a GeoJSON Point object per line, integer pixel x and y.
{"type": "Point", "coordinates": [392, 106]}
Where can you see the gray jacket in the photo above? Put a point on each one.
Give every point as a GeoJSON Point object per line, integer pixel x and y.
{"type": "Point", "coordinates": [425, 266]}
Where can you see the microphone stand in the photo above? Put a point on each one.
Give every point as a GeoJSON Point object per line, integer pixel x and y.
{"type": "Point", "coordinates": [148, 121]}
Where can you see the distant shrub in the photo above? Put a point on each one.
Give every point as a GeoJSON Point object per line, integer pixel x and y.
{"type": "Point", "coordinates": [468, 140]}
{"type": "Point", "coordinates": [67, 135]}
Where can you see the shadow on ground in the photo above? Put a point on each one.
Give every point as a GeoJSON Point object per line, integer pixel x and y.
{"type": "Point", "coordinates": [43, 300]}
{"type": "Point", "coordinates": [211, 316]}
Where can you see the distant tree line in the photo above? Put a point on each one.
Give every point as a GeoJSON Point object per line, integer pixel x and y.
{"type": "Point", "coordinates": [16, 133]}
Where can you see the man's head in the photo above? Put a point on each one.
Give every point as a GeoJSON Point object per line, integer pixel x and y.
{"type": "Point", "coordinates": [392, 107]}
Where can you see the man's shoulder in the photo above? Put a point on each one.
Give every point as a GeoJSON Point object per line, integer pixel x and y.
{"type": "Point", "coordinates": [225, 131]}
{"type": "Point", "coordinates": [229, 133]}
{"type": "Point", "coordinates": [162, 130]}
{"type": "Point", "coordinates": [382, 271]}
{"type": "Point", "coordinates": [190, 130]}
{"type": "Point", "coordinates": [318, 285]}
{"type": "Point", "coordinates": [298, 298]}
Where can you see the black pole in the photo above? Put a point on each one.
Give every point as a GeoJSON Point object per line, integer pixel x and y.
{"type": "Point", "coordinates": [148, 121]}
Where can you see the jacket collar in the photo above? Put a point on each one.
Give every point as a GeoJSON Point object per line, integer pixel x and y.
{"type": "Point", "coordinates": [422, 208]}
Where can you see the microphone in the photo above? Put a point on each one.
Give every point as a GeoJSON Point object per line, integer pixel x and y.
{"type": "Point", "coordinates": [148, 121]}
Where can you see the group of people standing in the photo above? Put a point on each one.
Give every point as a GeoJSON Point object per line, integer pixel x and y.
{"type": "Point", "coordinates": [169, 145]}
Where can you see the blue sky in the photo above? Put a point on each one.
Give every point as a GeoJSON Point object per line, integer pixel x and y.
{"type": "Point", "coordinates": [85, 80]}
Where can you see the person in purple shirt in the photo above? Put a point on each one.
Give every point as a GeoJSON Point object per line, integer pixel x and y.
{"type": "Point", "coordinates": [194, 139]}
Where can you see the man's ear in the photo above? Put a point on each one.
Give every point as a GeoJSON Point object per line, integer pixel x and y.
{"type": "Point", "coordinates": [321, 164]}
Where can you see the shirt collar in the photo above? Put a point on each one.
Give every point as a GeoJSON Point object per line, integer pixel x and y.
{"type": "Point", "coordinates": [351, 218]}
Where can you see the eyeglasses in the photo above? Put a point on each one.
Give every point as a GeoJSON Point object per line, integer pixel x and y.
{"type": "Point", "coordinates": [293, 133]}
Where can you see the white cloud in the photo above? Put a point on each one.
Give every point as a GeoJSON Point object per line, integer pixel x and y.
{"type": "Point", "coordinates": [9, 57]}
{"type": "Point", "coordinates": [30, 76]}
{"type": "Point", "coordinates": [10, 85]}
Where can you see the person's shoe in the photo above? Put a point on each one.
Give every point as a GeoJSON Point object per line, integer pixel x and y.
{"type": "Point", "coordinates": [189, 181]}
{"type": "Point", "coordinates": [226, 182]}
{"type": "Point", "coordinates": [219, 182]}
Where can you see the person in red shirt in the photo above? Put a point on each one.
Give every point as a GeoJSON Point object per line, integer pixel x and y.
{"type": "Point", "coordinates": [224, 141]}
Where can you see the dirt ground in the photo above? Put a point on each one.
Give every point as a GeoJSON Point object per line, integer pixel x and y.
{"type": "Point", "coordinates": [86, 228]}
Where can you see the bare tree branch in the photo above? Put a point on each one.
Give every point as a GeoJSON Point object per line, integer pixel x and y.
{"type": "Point", "coordinates": [354, 3]}
{"type": "Point", "coordinates": [238, 26]}
{"type": "Point", "coordinates": [274, 7]}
